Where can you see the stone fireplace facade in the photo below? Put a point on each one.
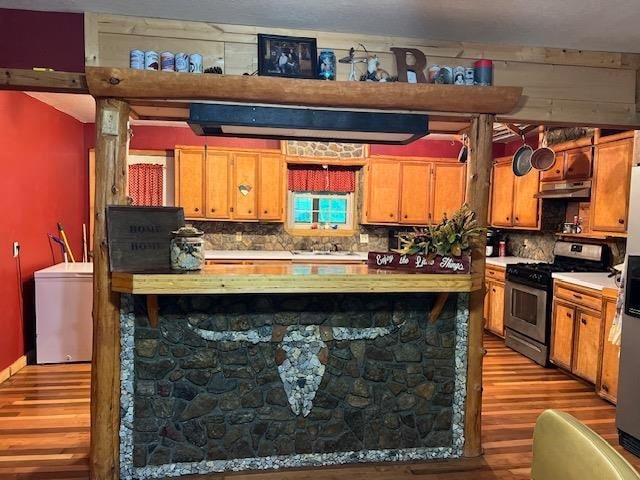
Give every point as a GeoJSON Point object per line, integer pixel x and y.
{"type": "Point", "coordinates": [247, 382]}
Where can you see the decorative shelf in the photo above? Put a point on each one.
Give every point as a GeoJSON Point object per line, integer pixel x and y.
{"type": "Point", "coordinates": [163, 89]}
{"type": "Point", "coordinates": [293, 278]}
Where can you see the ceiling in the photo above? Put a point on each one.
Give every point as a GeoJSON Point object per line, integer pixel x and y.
{"type": "Point", "coordinates": [578, 24]}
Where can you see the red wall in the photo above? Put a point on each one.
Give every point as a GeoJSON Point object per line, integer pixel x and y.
{"type": "Point", "coordinates": [41, 39]}
{"type": "Point", "coordinates": [43, 181]}
{"type": "Point", "coordinates": [420, 148]}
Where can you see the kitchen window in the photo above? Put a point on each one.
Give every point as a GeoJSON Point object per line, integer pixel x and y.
{"type": "Point", "coordinates": [321, 210]}
{"type": "Point", "coordinates": [321, 199]}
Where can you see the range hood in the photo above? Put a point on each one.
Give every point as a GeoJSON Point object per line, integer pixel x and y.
{"type": "Point", "coordinates": [577, 190]}
{"type": "Point", "coordinates": [289, 123]}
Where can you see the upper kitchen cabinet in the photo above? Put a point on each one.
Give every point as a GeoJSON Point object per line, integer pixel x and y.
{"type": "Point", "coordinates": [221, 184]}
{"type": "Point", "coordinates": [412, 191]}
{"type": "Point", "coordinates": [513, 201]}
{"type": "Point", "coordinates": [610, 189]}
{"type": "Point", "coordinates": [383, 188]}
{"type": "Point", "coordinates": [571, 164]}
{"type": "Point", "coordinates": [190, 181]}
{"type": "Point", "coordinates": [448, 192]}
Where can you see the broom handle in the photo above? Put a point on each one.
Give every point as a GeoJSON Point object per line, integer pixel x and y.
{"type": "Point", "coordinates": [66, 242]}
{"type": "Point", "coordinates": [84, 243]}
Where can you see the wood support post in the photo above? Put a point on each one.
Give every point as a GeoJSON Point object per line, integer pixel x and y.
{"type": "Point", "coordinates": [478, 180]}
{"type": "Point", "coordinates": [112, 137]}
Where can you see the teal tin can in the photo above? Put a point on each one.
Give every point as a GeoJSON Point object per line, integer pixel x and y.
{"type": "Point", "coordinates": [327, 65]}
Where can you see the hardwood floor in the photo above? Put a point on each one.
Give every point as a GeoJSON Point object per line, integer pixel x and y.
{"type": "Point", "coordinates": [44, 424]}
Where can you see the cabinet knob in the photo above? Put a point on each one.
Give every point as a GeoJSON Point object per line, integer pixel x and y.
{"type": "Point", "coordinates": [196, 209]}
{"type": "Point", "coordinates": [605, 387]}
{"type": "Point", "coordinates": [569, 314]}
{"type": "Point", "coordinates": [406, 216]}
{"type": "Point", "coordinates": [391, 214]}
{"type": "Point", "coordinates": [557, 171]}
{"type": "Point", "coordinates": [517, 219]}
{"type": "Point", "coordinates": [213, 210]}
{"type": "Point", "coordinates": [493, 290]}
{"type": "Point", "coordinates": [507, 218]}
{"type": "Point", "coordinates": [249, 211]}
{"type": "Point", "coordinates": [583, 321]}
{"type": "Point", "coordinates": [570, 169]}
{"type": "Point", "coordinates": [621, 221]}
{"type": "Point", "coordinates": [266, 211]}
{"type": "Point", "coordinates": [231, 209]}
{"type": "Point", "coordinates": [577, 297]}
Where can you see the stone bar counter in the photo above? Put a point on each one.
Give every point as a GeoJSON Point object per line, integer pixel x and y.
{"type": "Point", "coordinates": [252, 367]}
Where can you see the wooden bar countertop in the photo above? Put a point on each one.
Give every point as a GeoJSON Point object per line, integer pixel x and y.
{"type": "Point", "coordinates": [291, 278]}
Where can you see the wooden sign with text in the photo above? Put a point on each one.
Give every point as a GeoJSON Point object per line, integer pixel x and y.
{"type": "Point", "coordinates": [139, 238]}
{"type": "Point", "coordinates": [419, 263]}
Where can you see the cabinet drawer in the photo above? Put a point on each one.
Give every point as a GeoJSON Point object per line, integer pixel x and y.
{"type": "Point", "coordinates": [495, 273]}
{"type": "Point", "coordinates": [581, 298]}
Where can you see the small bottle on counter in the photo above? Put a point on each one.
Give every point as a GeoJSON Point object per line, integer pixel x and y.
{"type": "Point", "coordinates": [502, 248]}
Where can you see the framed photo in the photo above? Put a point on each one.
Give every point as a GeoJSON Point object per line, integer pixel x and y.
{"type": "Point", "coordinates": [281, 56]}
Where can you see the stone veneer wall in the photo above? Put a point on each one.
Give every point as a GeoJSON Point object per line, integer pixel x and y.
{"type": "Point", "coordinates": [191, 405]}
{"type": "Point", "coordinates": [325, 149]}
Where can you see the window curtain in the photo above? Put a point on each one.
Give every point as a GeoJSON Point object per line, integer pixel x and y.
{"type": "Point", "coordinates": [145, 184]}
{"type": "Point", "coordinates": [315, 178]}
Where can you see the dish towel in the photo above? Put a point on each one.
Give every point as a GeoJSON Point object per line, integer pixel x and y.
{"type": "Point", "coordinates": [615, 332]}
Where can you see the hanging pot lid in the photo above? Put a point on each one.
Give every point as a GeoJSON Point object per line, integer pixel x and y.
{"type": "Point", "coordinates": [521, 163]}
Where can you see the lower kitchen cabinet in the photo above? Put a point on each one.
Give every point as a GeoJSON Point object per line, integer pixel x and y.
{"type": "Point", "coordinates": [575, 330]}
{"type": "Point", "coordinates": [494, 300]}
{"type": "Point", "coordinates": [562, 334]}
{"type": "Point", "coordinates": [607, 381]}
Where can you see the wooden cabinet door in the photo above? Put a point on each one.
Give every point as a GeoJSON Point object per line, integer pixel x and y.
{"type": "Point", "coordinates": [217, 179]}
{"type": "Point", "coordinates": [190, 182]}
{"type": "Point", "coordinates": [587, 345]}
{"type": "Point", "coordinates": [525, 204]}
{"type": "Point", "coordinates": [270, 188]}
{"type": "Point", "coordinates": [578, 163]}
{"type": "Point", "coordinates": [487, 303]}
{"type": "Point", "coordinates": [245, 185]}
{"type": "Point", "coordinates": [607, 384]}
{"type": "Point", "coordinates": [556, 172]}
{"type": "Point", "coordinates": [610, 189]}
{"type": "Point", "coordinates": [415, 189]}
{"type": "Point", "coordinates": [502, 195]}
{"type": "Point", "coordinates": [448, 187]}
{"type": "Point", "coordinates": [562, 334]}
{"type": "Point", "coordinates": [383, 191]}
{"type": "Point", "coordinates": [496, 308]}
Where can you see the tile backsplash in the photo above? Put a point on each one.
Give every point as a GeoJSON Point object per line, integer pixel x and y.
{"type": "Point", "coordinates": [273, 236]}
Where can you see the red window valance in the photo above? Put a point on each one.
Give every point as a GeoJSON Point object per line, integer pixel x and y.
{"type": "Point", "coordinates": [145, 184]}
{"type": "Point", "coordinates": [316, 178]}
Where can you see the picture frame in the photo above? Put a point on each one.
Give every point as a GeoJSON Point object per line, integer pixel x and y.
{"type": "Point", "coordinates": [283, 56]}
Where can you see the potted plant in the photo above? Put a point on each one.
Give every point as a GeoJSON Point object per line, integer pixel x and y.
{"type": "Point", "coordinates": [441, 248]}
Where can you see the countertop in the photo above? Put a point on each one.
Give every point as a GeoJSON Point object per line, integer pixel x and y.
{"type": "Point", "coordinates": [597, 280]}
{"type": "Point", "coordinates": [285, 255]}
{"type": "Point", "coordinates": [291, 278]}
{"type": "Point", "coordinates": [504, 261]}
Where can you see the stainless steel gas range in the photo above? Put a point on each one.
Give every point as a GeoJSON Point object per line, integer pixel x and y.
{"type": "Point", "coordinates": [529, 295]}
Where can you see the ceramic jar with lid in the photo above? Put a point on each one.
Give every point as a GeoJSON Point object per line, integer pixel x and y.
{"type": "Point", "coordinates": [187, 249]}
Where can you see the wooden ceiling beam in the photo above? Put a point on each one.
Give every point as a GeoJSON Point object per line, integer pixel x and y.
{"type": "Point", "coordinates": [43, 81]}
{"type": "Point", "coordinates": [141, 84]}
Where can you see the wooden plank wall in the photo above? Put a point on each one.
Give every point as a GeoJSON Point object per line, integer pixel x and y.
{"type": "Point", "coordinates": [561, 86]}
